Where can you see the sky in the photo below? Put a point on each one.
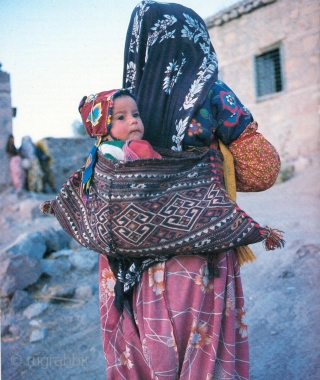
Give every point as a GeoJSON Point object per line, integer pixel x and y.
{"type": "Point", "coordinates": [57, 51]}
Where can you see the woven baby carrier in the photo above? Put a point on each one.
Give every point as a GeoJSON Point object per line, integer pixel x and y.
{"type": "Point", "coordinates": [155, 207]}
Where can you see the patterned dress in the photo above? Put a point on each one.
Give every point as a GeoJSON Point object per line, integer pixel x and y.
{"type": "Point", "coordinates": [17, 172]}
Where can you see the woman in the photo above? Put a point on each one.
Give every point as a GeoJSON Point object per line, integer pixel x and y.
{"type": "Point", "coordinates": [45, 161]}
{"type": "Point", "coordinates": [17, 172]}
{"type": "Point", "coordinates": [179, 322]}
{"type": "Point", "coordinates": [33, 168]}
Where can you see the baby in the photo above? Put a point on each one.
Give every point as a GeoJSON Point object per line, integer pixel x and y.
{"type": "Point", "coordinates": [113, 118]}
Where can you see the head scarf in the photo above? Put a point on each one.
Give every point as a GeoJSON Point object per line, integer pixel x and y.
{"type": "Point", "coordinates": [170, 65]}
{"type": "Point", "coordinates": [10, 147]}
{"type": "Point", "coordinates": [28, 149]}
{"type": "Point", "coordinates": [96, 111]}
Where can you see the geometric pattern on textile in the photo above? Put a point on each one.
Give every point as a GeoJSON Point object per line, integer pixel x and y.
{"type": "Point", "coordinates": [154, 207]}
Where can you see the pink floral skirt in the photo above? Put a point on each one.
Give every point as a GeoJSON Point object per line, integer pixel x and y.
{"type": "Point", "coordinates": [184, 325]}
{"type": "Point", "coordinates": [18, 174]}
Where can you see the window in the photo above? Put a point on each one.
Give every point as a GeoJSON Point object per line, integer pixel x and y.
{"type": "Point", "coordinates": [268, 73]}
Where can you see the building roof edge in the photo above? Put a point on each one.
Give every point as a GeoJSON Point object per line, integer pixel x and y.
{"type": "Point", "coordinates": [235, 11]}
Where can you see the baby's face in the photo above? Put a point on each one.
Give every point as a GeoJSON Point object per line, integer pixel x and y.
{"type": "Point", "coordinates": [126, 123]}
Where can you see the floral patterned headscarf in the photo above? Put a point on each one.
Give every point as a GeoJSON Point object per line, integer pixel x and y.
{"type": "Point", "coordinates": [170, 65]}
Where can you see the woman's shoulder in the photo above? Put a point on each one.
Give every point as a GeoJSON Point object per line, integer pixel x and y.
{"type": "Point", "coordinates": [219, 86]}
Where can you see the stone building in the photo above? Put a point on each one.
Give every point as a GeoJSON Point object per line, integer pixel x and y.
{"type": "Point", "coordinates": [69, 154]}
{"type": "Point", "coordinates": [6, 114]}
{"type": "Point", "coordinates": [268, 52]}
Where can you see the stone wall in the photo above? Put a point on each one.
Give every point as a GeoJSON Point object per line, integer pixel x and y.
{"type": "Point", "coordinates": [289, 119]}
{"type": "Point", "coordinates": [5, 126]}
{"type": "Point", "coordinates": [69, 154]}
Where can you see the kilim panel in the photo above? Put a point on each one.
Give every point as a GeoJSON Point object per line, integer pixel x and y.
{"type": "Point", "coordinates": [154, 207]}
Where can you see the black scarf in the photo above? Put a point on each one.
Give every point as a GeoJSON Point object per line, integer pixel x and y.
{"type": "Point", "coordinates": [170, 65]}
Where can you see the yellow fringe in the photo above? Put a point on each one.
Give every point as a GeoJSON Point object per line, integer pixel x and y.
{"type": "Point", "coordinates": [244, 253]}
{"type": "Point", "coordinates": [229, 173]}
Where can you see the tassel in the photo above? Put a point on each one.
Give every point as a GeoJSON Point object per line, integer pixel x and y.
{"type": "Point", "coordinates": [213, 268]}
{"type": "Point", "coordinates": [229, 172]}
{"type": "Point", "coordinates": [245, 255]}
{"type": "Point", "coordinates": [88, 171]}
{"type": "Point", "coordinates": [273, 239]}
{"type": "Point", "coordinates": [46, 208]}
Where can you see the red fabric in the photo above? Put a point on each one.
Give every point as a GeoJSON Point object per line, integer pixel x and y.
{"type": "Point", "coordinates": [256, 161]}
{"type": "Point", "coordinates": [196, 324]}
{"type": "Point", "coordinates": [99, 105]}
{"type": "Point", "coordinates": [18, 174]}
{"type": "Point", "coordinates": [143, 149]}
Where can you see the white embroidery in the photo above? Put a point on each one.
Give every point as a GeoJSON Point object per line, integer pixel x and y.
{"type": "Point", "coordinates": [173, 71]}
{"type": "Point", "coordinates": [195, 31]}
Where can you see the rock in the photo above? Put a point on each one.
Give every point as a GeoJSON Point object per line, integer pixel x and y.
{"type": "Point", "coordinates": [301, 163]}
{"type": "Point", "coordinates": [35, 322]}
{"type": "Point", "coordinates": [58, 291]}
{"type": "Point", "coordinates": [286, 274]}
{"type": "Point", "coordinates": [4, 305]}
{"type": "Point", "coordinates": [17, 273]}
{"type": "Point", "coordinates": [62, 253]}
{"type": "Point", "coordinates": [35, 309]}
{"type": "Point", "coordinates": [30, 244]}
{"type": "Point", "coordinates": [84, 259]}
{"type": "Point", "coordinates": [10, 331]}
{"type": "Point", "coordinates": [29, 209]}
{"type": "Point", "coordinates": [84, 292]}
{"type": "Point", "coordinates": [6, 321]}
{"type": "Point", "coordinates": [74, 245]}
{"type": "Point", "coordinates": [309, 249]}
{"type": "Point", "coordinates": [20, 300]}
{"type": "Point", "coordinates": [4, 329]}
{"type": "Point", "coordinates": [38, 335]}
{"type": "Point", "coordinates": [55, 240]}
{"type": "Point", "coordinates": [14, 331]}
{"type": "Point", "coordinates": [55, 267]}
{"type": "Point", "coordinates": [44, 289]}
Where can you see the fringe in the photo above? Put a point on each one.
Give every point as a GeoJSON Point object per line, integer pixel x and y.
{"type": "Point", "coordinates": [229, 171]}
{"type": "Point", "coordinates": [273, 239]}
{"type": "Point", "coordinates": [46, 208]}
{"type": "Point", "coordinates": [245, 255]}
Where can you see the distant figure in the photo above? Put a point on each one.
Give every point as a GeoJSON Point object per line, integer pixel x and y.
{"type": "Point", "coordinates": [17, 172]}
{"type": "Point", "coordinates": [32, 165]}
{"type": "Point", "coordinates": [45, 162]}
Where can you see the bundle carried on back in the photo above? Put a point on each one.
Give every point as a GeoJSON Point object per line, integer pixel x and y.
{"type": "Point", "coordinates": [155, 208]}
